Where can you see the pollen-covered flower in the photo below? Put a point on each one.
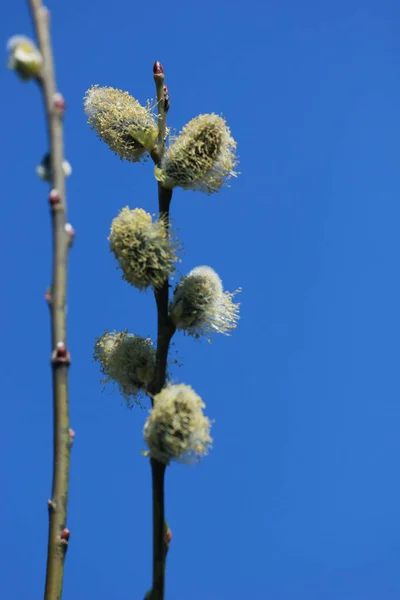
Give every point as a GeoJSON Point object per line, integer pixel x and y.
{"type": "Point", "coordinates": [177, 428]}
{"type": "Point", "coordinates": [126, 359]}
{"type": "Point", "coordinates": [200, 305]}
{"type": "Point", "coordinates": [127, 127]}
{"type": "Point", "coordinates": [201, 158]}
{"type": "Point", "coordinates": [143, 248]}
{"type": "Point", "coordinates": [24, 57]}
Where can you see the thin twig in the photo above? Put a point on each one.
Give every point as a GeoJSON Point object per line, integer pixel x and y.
{"type": "Point", "coordinates": [58, 534]}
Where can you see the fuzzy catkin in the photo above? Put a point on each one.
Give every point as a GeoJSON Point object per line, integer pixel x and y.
{"type": "Point", "coordinates": [24, 57]}
{"type": "Point", "coordinates": [200, 305]}
{"type": "Point", "coordinates": [127, 127]}
{"type": "Point", "coordinates": [126, 359]}
{"type": "Point", "coordinates": [177, 428]}
{"type": "Point", "coordinates": [143, 247]}
{"type": "Point", "coordinates": [201, 158]}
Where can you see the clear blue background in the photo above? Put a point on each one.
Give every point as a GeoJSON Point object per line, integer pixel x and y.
{"type": "Point", "coordinates": [300, 496]}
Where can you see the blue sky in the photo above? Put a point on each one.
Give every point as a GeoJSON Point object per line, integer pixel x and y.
{"type": "Point", "coordinates": [300, 496]}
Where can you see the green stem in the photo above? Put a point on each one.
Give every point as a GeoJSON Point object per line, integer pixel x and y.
{"type": "Point", "coordinates": [57, 544]}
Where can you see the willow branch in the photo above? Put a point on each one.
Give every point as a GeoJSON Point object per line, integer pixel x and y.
{"type": "Point", "coordinates": [165, 331]}
{"type": "Point", "coordinates": [58, 534]}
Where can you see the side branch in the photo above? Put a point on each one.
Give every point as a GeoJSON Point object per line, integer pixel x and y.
{"type": "Point", "coordinates": [58, 533]}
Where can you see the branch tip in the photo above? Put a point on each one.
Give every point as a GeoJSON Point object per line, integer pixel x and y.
{"type": "Point", "coordinates": [158, 69]}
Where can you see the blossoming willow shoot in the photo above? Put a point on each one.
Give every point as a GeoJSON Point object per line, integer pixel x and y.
{"type": "Point", "coordinates": [200, 306]}
{"type": "Point", "coordinates": [126, 359]}
{"type": "Point", "coordinates": [142, 247]}
{"type": "Point", "coordinates": [201, 158]}
{"type": "Point", "coordinates": [127, 127]}
{"type": "Point", "coordinates": [176, 428]}
{"type": "Point", "coordinates": [24, 57]}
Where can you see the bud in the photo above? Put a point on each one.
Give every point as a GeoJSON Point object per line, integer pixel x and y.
{"type": "Point", "coordinates": [61, 351]}
{"type": "Point", "coordinates": [126, 359]}
{"type": "Point", "coordinates": [168, 536]}
{"type": "Point", "coordinates": [201, 158]}
{"type": "Point", "coordinates": [200, 306]}
{"type": "Point", "coordinates": [72, 434]}
{"type": "Point", "coordinates": [158, 69]}
{"type": "Point", "coordinates": [70, 231]}
{"type": "Point", "coordinates": [176, 428]}
{"type": "Point", "coordinates": [54, 197]}
{"type": "Point", "coordinates": [45, 13]}
{"type": "Point", "coordinates": [65, 534]}
{"type": "Point", "coordinates": [166, 99]}
{"type": "Point", "coordinates": [24, 57]}
{"type": "Point", "coordinates": [128, 128]}
{"type": "Point", "coordinates": [143, 248]}
{"type": "Point", "coordinates": [44, 169]}
{"type": "Point", "coordinates": [59, 103]}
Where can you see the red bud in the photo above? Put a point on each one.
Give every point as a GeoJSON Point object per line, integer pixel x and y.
{"type": "Point", "coordinates": [158, 68]}
{"type": "Point", "coordinates": [65, 534]}
{"type": "Point", "coordinates": [59, 102]}
{"type": "Point", "coordinates": [54, 197]}
{"type": "Point", "coordinates": [71, 437]}
{"type": "Point", "coordinates": [168, 536]}
{"type": "Point", "coordinates": [61, 350]}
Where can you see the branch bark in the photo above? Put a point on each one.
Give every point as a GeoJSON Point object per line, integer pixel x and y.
{"type": "Point", "coordinates": [58, 534]}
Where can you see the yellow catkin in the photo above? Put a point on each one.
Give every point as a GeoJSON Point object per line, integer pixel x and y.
{"type": "Point", "coordinates": [201, 158]}
{"type": "Point", "coordinates": [126, 359]}
{"type": "Point", "coordinates": [200, 305]}
{"type": "Point", "coordinates": [24, 57]}
{"type": "Point", "coordinates": [177, 428]}
{"type": "Point", "coordinates": [127, 127]}
{"type": "Point", "coordinates": [143, 248]}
